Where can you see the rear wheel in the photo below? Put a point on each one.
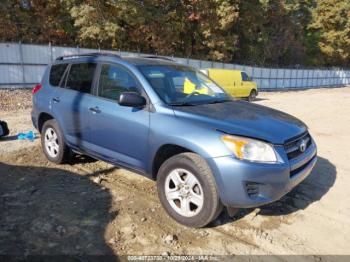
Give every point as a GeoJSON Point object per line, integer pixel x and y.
{"type": "Point", "coordinates": [252, 96]}
{"type": "Point", "coordinates": [187, 190]}
{"type": "Point", "coordinates": [53, 144]}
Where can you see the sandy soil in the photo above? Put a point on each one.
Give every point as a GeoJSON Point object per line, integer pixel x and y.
{"type": "Point", "coordinates": [91, 207]}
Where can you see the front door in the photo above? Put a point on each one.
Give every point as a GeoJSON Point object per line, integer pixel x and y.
{"type": "Point", "coordinates": [118, 134]}
{"type": "Point", "coordinates": [244, 90]}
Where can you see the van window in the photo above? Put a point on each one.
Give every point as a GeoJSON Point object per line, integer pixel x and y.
{"type": "Point", "coordinates": [245, 77]}
{"type": "Point", "coordinates": [56, 74]}
{"type": "Point", "coordinates": [81, 76]}
{"type": "Point", "coordinates": [114, 81]}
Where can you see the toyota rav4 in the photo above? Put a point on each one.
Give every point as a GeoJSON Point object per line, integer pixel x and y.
{"type": "Point", "coordinates": [205, 149]}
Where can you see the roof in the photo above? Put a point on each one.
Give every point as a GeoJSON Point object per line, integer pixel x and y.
{"type": "Point", "coordinates": [142, 60]}
{"type": "Point", "coordinates": [148, 61]}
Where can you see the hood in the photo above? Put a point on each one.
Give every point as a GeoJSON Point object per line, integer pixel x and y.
{"type": "Point", "coordinates": [245, 119]}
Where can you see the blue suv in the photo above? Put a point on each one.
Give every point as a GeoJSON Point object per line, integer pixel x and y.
{"type": "Point", "coordinates": [205, 149]}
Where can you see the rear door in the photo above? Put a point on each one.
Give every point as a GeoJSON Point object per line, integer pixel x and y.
{"type": "Point", "coordinates": [119, 134]}
{"type": "Point", "coordinates": [56, 81]}
{"type": "Point", "coordinates": [71, 103]}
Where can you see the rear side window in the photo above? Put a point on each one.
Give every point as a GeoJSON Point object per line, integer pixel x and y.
{"type": "Point", "coordinates": [81, 76]}
{"type": "Point", "coordinates": [56, 74]}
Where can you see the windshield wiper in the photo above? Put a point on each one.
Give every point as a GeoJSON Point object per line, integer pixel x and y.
{"type": "Point", "coordinates": [203, 103]}
{"type": "Point", "coordinates": [220, 101]}
{"type": "Point", "coordinates": [181, 104]}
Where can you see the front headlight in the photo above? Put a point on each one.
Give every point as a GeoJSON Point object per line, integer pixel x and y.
{"type": "Point", "coordinates": [250, 149]}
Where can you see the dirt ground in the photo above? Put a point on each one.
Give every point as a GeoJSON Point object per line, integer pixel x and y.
{"type": "Point", "coordinates": [92, 208]}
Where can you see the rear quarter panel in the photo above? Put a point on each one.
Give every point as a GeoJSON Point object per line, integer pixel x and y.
{"type": "Point", "coordinates": [42, 99]}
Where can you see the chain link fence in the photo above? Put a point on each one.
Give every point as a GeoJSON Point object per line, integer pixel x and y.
{"type": "Point", "coordinates": [22, 65]}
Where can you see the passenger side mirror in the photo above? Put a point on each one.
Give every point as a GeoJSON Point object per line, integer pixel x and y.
{"type": "Point", "coordinates": [131, 99]}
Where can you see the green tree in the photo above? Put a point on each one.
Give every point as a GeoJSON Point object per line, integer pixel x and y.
{"type": "Point", "coordinates": [217, 24]}
{"type": "Point", "coordinates": [330, 28]}
{"type": "Point", "coordinates": [250, 31]}
{"type": "Point", "coordinates": [264, 32]}
{"type": "Point", "coordinates": [282, 44]}
{"type": "Point", "coordinates": [272, 31]}
{"type": "Point", "coordinates": [35, 21]}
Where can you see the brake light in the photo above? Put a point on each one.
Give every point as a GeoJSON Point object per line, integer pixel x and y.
{"type": "Point", "coordinates": [36, 88]}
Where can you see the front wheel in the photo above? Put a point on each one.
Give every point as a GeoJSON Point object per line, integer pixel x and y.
{"type": "Point", "coordinates": [187, 190]}
{"type": "Point", "coordinates": [252, 96]}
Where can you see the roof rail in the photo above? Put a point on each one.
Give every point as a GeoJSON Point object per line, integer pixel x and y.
{"type": "Point", "coordinates": [159, 57]}
{"type": "Point", "coordinates": [87, 55]}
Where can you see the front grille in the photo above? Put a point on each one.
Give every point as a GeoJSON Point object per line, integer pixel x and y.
{"type": "Point", "coordinates": [292, 146]}
{"type": "Point", "coordinates": [252, 189]}
{"type": "Point", "coordinates": [297, 170]}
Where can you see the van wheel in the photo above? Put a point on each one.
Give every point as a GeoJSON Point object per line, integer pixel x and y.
{"type": "Point", "coordinates": [187, 190]}
{"type": "Point", "coordinates": [252, 96]}
{"type": "Point", "coordinates": [53, 144]}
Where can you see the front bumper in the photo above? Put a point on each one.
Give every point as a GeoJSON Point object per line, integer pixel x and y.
{"type": "Point", "coordinates": [245, 184]}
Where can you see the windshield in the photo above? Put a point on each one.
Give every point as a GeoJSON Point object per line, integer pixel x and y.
{"type": "Point", "coordinates": [181, 85]}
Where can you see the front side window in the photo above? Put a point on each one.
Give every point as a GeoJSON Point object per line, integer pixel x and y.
{"type": "Point", "coordinates": [245, 77]}
{"type": "Point", "coordinates": [114, 81]}
{"type": "Point", "coordinates": [177, 84]}
{"type": "Point", "coordinates": [56, 74]}
{"type": "Point", "coordinates": [81, 76]}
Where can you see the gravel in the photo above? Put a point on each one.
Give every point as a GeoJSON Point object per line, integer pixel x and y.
{"type": "Point", "coordinates": [11, 99]}
{"type": "Point", "coordinates": [169, 239]}
{"type": "Point", "coordinates": [97, 180]}
{"type": "Point", "coordinates": [36, 197]}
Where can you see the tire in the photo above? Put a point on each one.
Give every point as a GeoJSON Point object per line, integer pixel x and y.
{"type": "Point", "coordinates": [252, 96]}
{"type": "Point", "coordinates": [59, 152]}
{"type": "Point", "coordinates": [4, 130]}
{"type": "Point", "coordinates": [201, 189]}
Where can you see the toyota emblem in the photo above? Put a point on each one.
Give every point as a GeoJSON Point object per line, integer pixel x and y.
{"type": "Point", "coordinates": [302, 145]}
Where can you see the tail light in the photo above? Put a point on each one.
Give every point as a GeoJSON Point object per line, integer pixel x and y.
{"type": "Point", "coordinates": [36, 88]}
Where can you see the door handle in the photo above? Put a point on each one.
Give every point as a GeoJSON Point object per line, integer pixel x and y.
{"type": "Point", "coordinates": [56, 99]}
{"type": "Point", "coordinates": [95, 110]}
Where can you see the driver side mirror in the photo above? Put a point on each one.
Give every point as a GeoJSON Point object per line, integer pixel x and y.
{"type": "Point", "coordinates": [131, 99]}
